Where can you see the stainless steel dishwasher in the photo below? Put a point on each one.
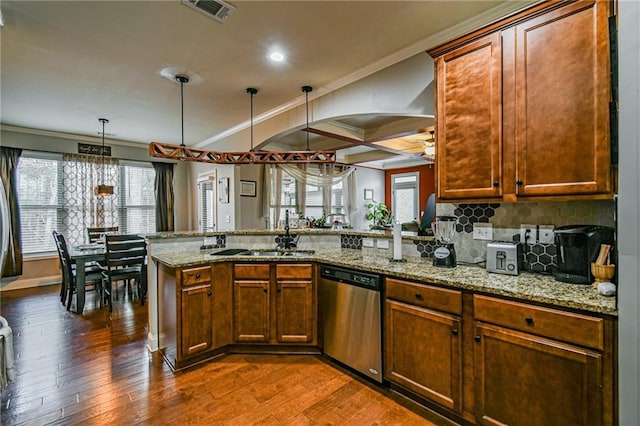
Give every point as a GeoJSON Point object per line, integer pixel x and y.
{"type": "Point", "coordinates": [351, 319]}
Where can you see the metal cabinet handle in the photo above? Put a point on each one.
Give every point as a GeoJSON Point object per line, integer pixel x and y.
{"type": "Point", "coordinates": [476, 338]}
{"type": "Point", "coordinates": [496, 183]}
{"type": "Point", "coordinates": [198, 275]}
{"type": "Point", "coordinates": [265, 290]}
{"type": "Point", "coordinates": [209, 293]}
{"type": "Point", "coordinates": [279, 289]}
{"type": "Point", "coordinates": [529, 320]}
{"type": "Point", "coordinates": [418, 295]}
{"type": "Point", "coordinates": [454, 331]}
{"type": "Point", "coordinates": [519, 182]}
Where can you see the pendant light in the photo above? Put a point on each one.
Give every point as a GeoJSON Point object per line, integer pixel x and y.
{"type": "Point", "coordinates": [102, 189]}
{"type": "Point", "coordinates": [251, 91]}
{"type": "Point", "coordinates": [306, 90]}
{"type": "Point", "coordinates": [173, 152]}
{"type": "Point", "coordinates": [182, 80]}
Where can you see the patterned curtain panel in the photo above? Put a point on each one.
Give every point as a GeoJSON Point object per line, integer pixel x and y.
{"type": "Point", "coordinates": [164, 196]}
{"type": "Point", "coordinates": [13, 260]}
{"type": "Point", "coordinates": [81, 209]}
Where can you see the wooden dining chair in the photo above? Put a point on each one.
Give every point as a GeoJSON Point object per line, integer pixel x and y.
{"type": "Point", "coordinates": [94, 234]}
{"type": "Point", "coordinates": [93, 276]}
{"type": "Point", "coordinates": [125, 260]}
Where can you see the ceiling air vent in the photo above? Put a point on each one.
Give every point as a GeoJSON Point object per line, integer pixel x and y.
{"type": "Point", "coordinates": [216, 9]}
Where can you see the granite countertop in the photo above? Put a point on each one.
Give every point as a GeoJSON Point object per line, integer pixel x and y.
{"type": "Point", "coordinates": [526, 286]}
{"type": "Point", "coordinates": [298, 231]}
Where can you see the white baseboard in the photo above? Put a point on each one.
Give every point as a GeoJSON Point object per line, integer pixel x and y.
{"type": "Point", "coordinates": [7, 284]}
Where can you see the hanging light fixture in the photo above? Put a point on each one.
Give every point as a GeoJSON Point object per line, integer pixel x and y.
{"type": "Point", "coordinates": [102, 189]}
{"type": "Point", "coordinates": [251, 91]}
{"type": "Point", "coordinates": [182, 80]}
{"type": "Point", "coordinates": [162, 150]}
{"type": "Point", "coordinates": [306, 90]}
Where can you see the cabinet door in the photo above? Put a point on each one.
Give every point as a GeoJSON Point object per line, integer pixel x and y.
{"type": "Point", "coordinates": [526, 380]}
{"type": "Point", "coordinates": [294, 311]}
{"type": "Point", "coordinates": [196, 309]}
{"type": "Point", "coordinates": [251, 311]}
{"type": "Point", "coordinates": [562, 90]}
{"type": "Point", "coordinates": [468, 133]}
{"type": "Point", "coordinates": [422, 352]}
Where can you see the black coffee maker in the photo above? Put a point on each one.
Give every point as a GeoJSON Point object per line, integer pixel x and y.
{"type": "Point", "coordinates": [577, 246]}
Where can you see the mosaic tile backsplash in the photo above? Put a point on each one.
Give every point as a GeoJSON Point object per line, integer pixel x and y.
{"type": "Point", "coordinates": [351, 241]}
{"type": "Point", "coordinates": [506, 219]}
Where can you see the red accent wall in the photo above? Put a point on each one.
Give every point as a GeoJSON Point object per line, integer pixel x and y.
{"type": "Point", "coordinates": [427, 183]}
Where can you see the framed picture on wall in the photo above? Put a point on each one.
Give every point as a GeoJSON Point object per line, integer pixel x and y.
{"type": "Point", "coordinates": [368, 194]}
{"type": "Point", "coordinates": [248, 188]}
{"type": "Point", "coordinates": [223, 190]}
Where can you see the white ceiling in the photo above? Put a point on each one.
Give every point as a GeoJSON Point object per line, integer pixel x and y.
{"type": "Point", "coordinates": [66, 63]}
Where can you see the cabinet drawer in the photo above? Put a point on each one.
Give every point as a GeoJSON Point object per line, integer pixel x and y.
{"type": "Point", "coordinates": [294, 270]}
{"type": "Point", "coordinates": [427, 296]}
{"type": "Point", "coordinates": [566, 326]}
{"type": "Point", "coordinates": [251, 271]}
{"type": "Point", "coordinates": [201, 275]}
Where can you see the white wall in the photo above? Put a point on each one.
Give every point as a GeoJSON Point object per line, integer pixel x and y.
{"type": "Point", "coordinates": [404, 88]}
{"type": "Point", "coordinates": [629, 213]}
{"type": "Point", "coordinates": [249, 211]}
{"type": "Point", "coordinates": [369, 179]}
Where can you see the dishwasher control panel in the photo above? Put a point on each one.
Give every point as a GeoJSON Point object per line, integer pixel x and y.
{"type": "Point", "coordinates": [349, 276]}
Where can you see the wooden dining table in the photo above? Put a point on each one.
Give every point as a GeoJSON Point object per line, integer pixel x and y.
{"type": "Point", "coordinates": [81, 255]}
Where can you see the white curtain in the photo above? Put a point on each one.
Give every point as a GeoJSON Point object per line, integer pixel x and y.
{"type": "Point", "coordinates": [325, 177]}
{"type": "Point", "coordinates": [81, 208]}
{"type": "Point", "coordinates": [301, 194]}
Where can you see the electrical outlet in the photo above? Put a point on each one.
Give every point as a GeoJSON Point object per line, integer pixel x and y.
{"type": "Point", "coordinates": [528, 234]}
{"type": "Point", "coordinates": [545, 234]}
{"type": "Point", "coordinates": [367, 242]}
{"type": "Point", "coordinates": [382, 244]}
{"type": "Point", "coordinates": [482, 231]}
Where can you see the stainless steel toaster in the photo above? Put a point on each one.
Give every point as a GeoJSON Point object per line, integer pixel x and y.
{"type": "Point", "coordinates": [504, 257]}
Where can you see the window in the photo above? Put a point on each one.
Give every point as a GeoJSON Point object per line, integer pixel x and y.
{"type": "Point", "coordinates": [405, 190]}
{"type": "Point", "coordinates": [46, 203]}
{"type": "Point", "coordinates": [137, 210]}
{"type": "Point", "coordinates": [207, 202]}
{"type": "Point", "coordinates": [314, 198]}
{"type": "Point", "coordinates": [40, 198]}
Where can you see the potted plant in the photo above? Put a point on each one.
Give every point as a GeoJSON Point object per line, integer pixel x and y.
{"type": "Point", "coordinates": [379, 215]}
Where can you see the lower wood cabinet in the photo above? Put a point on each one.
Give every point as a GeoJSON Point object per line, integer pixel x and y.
{"type": "Point", "coordinates": [540, 366]}
{"type": "Point", "coordinates": [295, 304]}
{"type": "Point", "coordinates": [251, 310]}
{"type": "Point", "coordinates": [197, 315]}
{"type": "Point", "coordinates": [423, 344]}
{"type": "Point", "coordinates": [497, 361]}
{"type": "Point", "coordinates": [194, 312]}
{"type": "Point", "coordinates": [274, 303]}
{"type": "Point", "coordinates": [524, 379]}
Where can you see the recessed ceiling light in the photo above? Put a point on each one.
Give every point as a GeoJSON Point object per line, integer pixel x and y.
{"type": "Point", "coordinates": [276, 56]}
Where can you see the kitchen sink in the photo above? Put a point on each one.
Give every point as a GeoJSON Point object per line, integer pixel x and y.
{"type": "Point", "coordinates": [264, 253]}
{"type": "Point", "coordinates": [229, 252]}
{"type": "Point", "coordinates": [279, 253]}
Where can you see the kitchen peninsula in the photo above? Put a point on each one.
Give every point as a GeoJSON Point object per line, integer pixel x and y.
{"type": "Point", "coordinates": [481, 323]}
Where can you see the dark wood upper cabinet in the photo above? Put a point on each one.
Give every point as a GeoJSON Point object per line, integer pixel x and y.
{"type": "Point", "coordinates": [469, 136]}
{"type": "Point", "coordinates": [522, 109]}
{"type": "Point", "coordinates": [562, 91]}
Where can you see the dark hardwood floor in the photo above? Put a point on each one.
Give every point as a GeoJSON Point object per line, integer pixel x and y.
{"type": "Point", "coordinates": [95, 369]}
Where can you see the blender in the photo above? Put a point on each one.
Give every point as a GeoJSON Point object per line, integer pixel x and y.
{"type": "Point", "coordinates": [444, 229]}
